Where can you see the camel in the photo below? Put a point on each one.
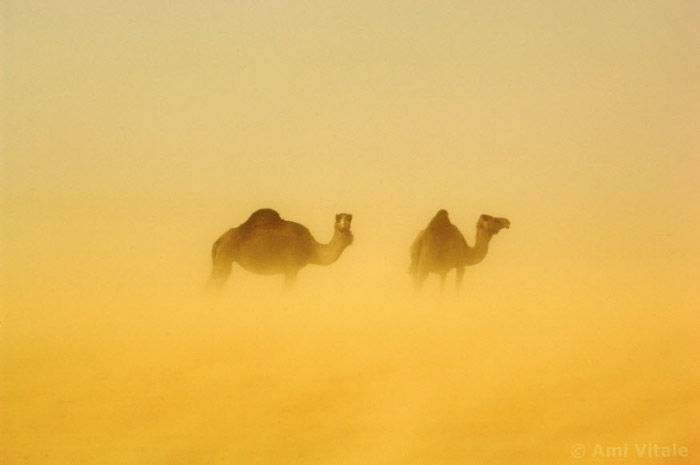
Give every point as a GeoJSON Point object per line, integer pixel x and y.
{"type": "Point", "coordinates": [267, 244]}
{"type": "Point", "coordinates": [441, 247]}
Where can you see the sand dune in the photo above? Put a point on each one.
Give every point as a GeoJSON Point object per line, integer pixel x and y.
{"type": "Point", "coordinates": [395, 381]}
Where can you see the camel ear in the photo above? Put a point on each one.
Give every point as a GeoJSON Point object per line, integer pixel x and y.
{"type": "Point", "coordinates": [337, 217]}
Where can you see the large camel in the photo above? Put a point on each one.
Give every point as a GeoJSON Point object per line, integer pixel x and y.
{"type": "Point", "coordinates": [441, 247]}
{"type": "Point", "coordinates": [267, 244]}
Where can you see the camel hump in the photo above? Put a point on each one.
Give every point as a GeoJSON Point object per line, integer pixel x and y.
{"type": "Point", "coordinates": [440, 220]}
{"type": "Point", "coordinates": [264, 216]}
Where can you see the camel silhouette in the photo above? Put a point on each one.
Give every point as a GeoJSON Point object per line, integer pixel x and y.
{"type": "Point", "coordinates": [441, 246]}
{"type": "Point", "coordinates": [267, 244]}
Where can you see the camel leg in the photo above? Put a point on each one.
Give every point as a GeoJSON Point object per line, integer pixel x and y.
{"type": "Point", "coordinates": [290, 279]}
{"type": "Point", "coordinates": [220, 272]}
{"type": "Point", "coordinates": [458, 278]}
{"type": "Point", "coordinates": [418, 279]}
{"type": "Point", "coordinates": [443, 277]}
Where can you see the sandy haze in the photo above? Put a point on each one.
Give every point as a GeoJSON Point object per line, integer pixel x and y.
{"type": "Point", "coordinates": [135, 134]}
{"type": "Point", "coordinates": [123, 369]}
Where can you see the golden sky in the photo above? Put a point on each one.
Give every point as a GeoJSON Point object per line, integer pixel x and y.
{"type": "Point", "coordinates": [578, 120]}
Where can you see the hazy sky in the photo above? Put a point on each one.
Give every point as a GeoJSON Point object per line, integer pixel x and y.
{"type": "Point", "coordinates": [577, 120]}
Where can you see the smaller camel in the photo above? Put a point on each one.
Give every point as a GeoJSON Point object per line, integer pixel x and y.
{"type": "Point", "coordinates": [441, 247]}
{"type": "Point", "coordinates": [267, 244]}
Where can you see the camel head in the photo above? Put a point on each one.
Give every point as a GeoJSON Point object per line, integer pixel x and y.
{"type": "Point", "coordinates": [342, 224]}
{"type": "Point", "coordinates": [492, 225]}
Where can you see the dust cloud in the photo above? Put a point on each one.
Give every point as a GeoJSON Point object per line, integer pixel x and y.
{"type": "Point", "coordinates": [116, 356]}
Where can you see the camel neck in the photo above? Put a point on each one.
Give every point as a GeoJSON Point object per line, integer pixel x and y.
{"type": "Point", "coordinates": [477, 253]}
{"type": "Point", "coordinates": [326, 254]}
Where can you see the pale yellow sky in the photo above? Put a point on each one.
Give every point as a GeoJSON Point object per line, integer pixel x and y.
{"type": "Point", "coordinates": [576, 120]}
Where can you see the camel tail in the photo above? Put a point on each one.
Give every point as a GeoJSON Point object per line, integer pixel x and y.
{"type": "Point", "coordinates": [226, 240]}
{"type": "Point", "coordinates": [415, 254]}
{"type": "Point", "coordinates": [215, 248]}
